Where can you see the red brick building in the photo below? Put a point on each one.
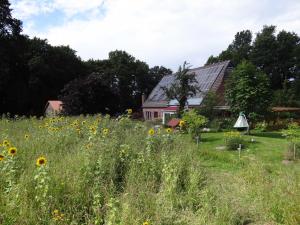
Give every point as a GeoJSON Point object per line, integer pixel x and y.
{"type": "Point", "coordinates": [209, 78]}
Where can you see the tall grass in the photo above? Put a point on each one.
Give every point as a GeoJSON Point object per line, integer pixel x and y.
{"type": "Point", "coordinates": [123, 175]}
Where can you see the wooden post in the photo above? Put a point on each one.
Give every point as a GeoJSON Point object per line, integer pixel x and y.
{"type": "Point", "coordinates": [240, 148]}
{"type": "Point", "coordinates": [197, 139]}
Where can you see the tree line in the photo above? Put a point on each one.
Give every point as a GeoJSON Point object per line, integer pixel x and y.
{"type": "Point", "coordinates": [275, 55]}
{"type": "Point", "coordinates": [32, 72]}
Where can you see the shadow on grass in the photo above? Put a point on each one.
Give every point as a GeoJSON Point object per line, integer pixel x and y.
{"type": "Point", "coordinates": [268, 135]}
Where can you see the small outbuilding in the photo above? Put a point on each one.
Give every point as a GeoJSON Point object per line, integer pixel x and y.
{"type": "Point", "coordinates": [53, 108]}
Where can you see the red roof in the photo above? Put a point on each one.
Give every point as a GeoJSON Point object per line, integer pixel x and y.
{"type": "Point", "coordinates": [173, 122]}
{"type": "Point", "coordinates": [56, 105]}
{"type": "Point", "coordinates": [170, 108]}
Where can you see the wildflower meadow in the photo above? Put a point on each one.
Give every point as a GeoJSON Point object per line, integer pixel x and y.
{"type": "Point", "coordinates": [102, 170]}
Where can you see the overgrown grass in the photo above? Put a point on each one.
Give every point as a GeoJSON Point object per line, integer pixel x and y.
{"type": "Point", "coordinates": [126, 176]}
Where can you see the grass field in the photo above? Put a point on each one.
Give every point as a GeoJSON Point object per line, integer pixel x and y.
{"type": "Point", "coordinates": [103, 171]}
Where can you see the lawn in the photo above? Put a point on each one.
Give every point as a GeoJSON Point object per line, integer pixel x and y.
{"type": "Point", "coordinates": [105, 171]}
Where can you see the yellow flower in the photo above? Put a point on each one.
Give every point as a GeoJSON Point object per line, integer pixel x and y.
{"type": "Point", "coordinates": [26, 136]}
{"type": "Point", "coordinates": [105, 131]}
{"type": "Point", "coordinates": [1, 157]}
{"type": "Point", "coordinates": [181, 123]}
{"type": "Point", "coordinates": [93, 129]}
{"type": "Point", "coordinates": [6, 143]}
{"type": "Point", "coordinates": [12, 151]}
{"type": "Point", "coordinates": [55, 212]}
{"type": "Point", "coordinates": [146, 223]}
{"type": "Point", "coordinates": [41, 161]}
{"type": "Point", "coordinates": [168, 130]}
{"type": "Point", "coordinates": [57, 216]}
{"type": "Point", "coordinates": [151, 132]}
{"type": "Point", "coordinates": [129, 111]}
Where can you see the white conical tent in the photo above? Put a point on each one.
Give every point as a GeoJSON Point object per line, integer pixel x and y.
{"type": "Point", "coordinates": [241, 122]}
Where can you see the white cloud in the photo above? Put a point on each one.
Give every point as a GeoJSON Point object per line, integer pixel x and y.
{"type": "Point", "coordinates": [165, 32]}
{"type": "Point", "coordinates": [26, 8]}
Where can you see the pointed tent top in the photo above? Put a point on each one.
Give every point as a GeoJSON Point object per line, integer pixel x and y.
{"type": "Point", "coordinates": [241, 121]}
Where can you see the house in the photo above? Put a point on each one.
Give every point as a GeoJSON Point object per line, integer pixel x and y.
{"type": "Point", "coordinates": [53, 108]}
{"type": "Point", "coordinates": [209, 78]}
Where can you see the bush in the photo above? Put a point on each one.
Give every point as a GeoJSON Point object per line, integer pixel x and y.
{"type": "Point", "coordinates": [233, 140]}
{"type": "Point", "coordinates": [261, 126]}
{"type": "Point", "coordinates": [220, 124]}
{"type": "Point", "coordinates": [195, 122]}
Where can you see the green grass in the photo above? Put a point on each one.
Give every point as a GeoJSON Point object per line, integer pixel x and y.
{"type": "Point", "coordinates": [127, 177]}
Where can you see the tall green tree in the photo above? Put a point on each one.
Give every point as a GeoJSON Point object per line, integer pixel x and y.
{"type": "Point", "coordinates": [237, 51]}
{"type": "Point", "coordinates": [248, 90]}
{"type": "Point", "coordinates": [183, 87]}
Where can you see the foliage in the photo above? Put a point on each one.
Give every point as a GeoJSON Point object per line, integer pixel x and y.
{"type": "Point", "coordinates": [183, 87]}
{"type": "Point", "coordinates": [101, 171]}
{"type": "Point", "coordinates": [276, 55]}
{"type": "Point", "coordinates": [261, 126]}
{"type": "Point", "coordinates": [233, 140]}
{"type": "Point", "coordinates": [208, 104]}
{"type": "Point", "coordinates": [37, 72]}
{"type": "Point", "coordinates": [248, 90]}
{"type": "Point", "coordinates": [194, 122]}
{"type": "Point", "coordinates": [292, 133]}
{"type": "Point", "coordinates": [237, 51]}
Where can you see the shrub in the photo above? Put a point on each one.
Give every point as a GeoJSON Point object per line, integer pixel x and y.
{"type": "Point", "coordinates": [220, 124]}
{"type": "Point", "coordinates": [261, 126]}
{"type": "Point", "coordinates": [195, 122]}
{"type": "Point", "coordinates": [233, 139]}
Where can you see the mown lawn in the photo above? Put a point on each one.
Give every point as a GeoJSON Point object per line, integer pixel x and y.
{"type": "Point", "coordinates": [106, 171]}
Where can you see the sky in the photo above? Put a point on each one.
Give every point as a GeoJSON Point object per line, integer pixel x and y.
{"type": "Point", "coordinates": [159, 32]}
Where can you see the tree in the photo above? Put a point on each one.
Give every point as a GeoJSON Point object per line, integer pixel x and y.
{"type": "Point", "coordinates": [237, 51]}
{"type": "Point", "coordinates": [207, 107]}
{"type": "Point", "coordinates": [183, 87]}
{"type": "Point", "coordinates": [130, 78]}
{"type": "Point", "coordinates": [248, 90]}
{"type": "Point", "coordinates": [89, 95]}
{"type": "Point", "coordinates": [8, 26]}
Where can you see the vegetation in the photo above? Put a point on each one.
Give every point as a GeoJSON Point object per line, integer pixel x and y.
{"type": "Point", "coordinates": [184, 86]}
{"type": "Point", "coordinates": [276, 55]}
{"type": "Point", "coordinates": [248, 90]}
{"type": "Point", "coordinates": [195, 122]}
{"type": "Point", "coordinates": [92, 170]}
{"type": "Point", "coordinates": [38, 72]}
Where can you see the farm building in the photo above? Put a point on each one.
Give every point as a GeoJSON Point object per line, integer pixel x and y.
{"type": "Point", "coordinates": [53, 108]}
{"type": "Point", "coordinates": [209, 78]}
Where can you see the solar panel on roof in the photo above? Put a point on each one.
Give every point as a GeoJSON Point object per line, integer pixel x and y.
{"type": "Point", "coordinates": [204, 76]}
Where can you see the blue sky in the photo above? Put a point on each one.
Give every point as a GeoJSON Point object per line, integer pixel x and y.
{"type": "Point", "coordinates": [160, 32]}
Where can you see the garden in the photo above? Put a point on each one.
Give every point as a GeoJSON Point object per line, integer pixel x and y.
{"type": "Point", "coordinates": [102, 170]}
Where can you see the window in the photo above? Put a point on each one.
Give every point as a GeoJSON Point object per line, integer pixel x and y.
{"type": "Point", "coordinates": [148, 115]}
{"type": "Point", "coordinates": [155, 114]}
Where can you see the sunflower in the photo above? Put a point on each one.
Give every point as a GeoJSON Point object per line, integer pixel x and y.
{"type": "Point", "coordinates": [168, 130]}
{"type": "Point", "coordinates": [1, 157]}
{"type": "Point", "coordinates": [146, 223]}
{"type": "Point", "coordinates": [26, 136]}
{"type": "Point", "coordinates": [6, 143]}
{"type": "Point", "coordinates": [41, 161]}
{"type": "Point", "coordinates": [129, 111]}
{"type": "Point", "coordinates": [151, 132]}
{"type": "Point", "coordinates": [105, 131]}
{"type": "Point", "coordinates": [181, 123]}
{"type": "Point", "coordinates": [12, 151]}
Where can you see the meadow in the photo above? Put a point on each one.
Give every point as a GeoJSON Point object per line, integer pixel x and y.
{"type": "Point", "coordinates": [98, 170]}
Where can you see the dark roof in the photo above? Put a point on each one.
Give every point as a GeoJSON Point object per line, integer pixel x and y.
{"type": "Point", "coordinates": [206, 77]}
